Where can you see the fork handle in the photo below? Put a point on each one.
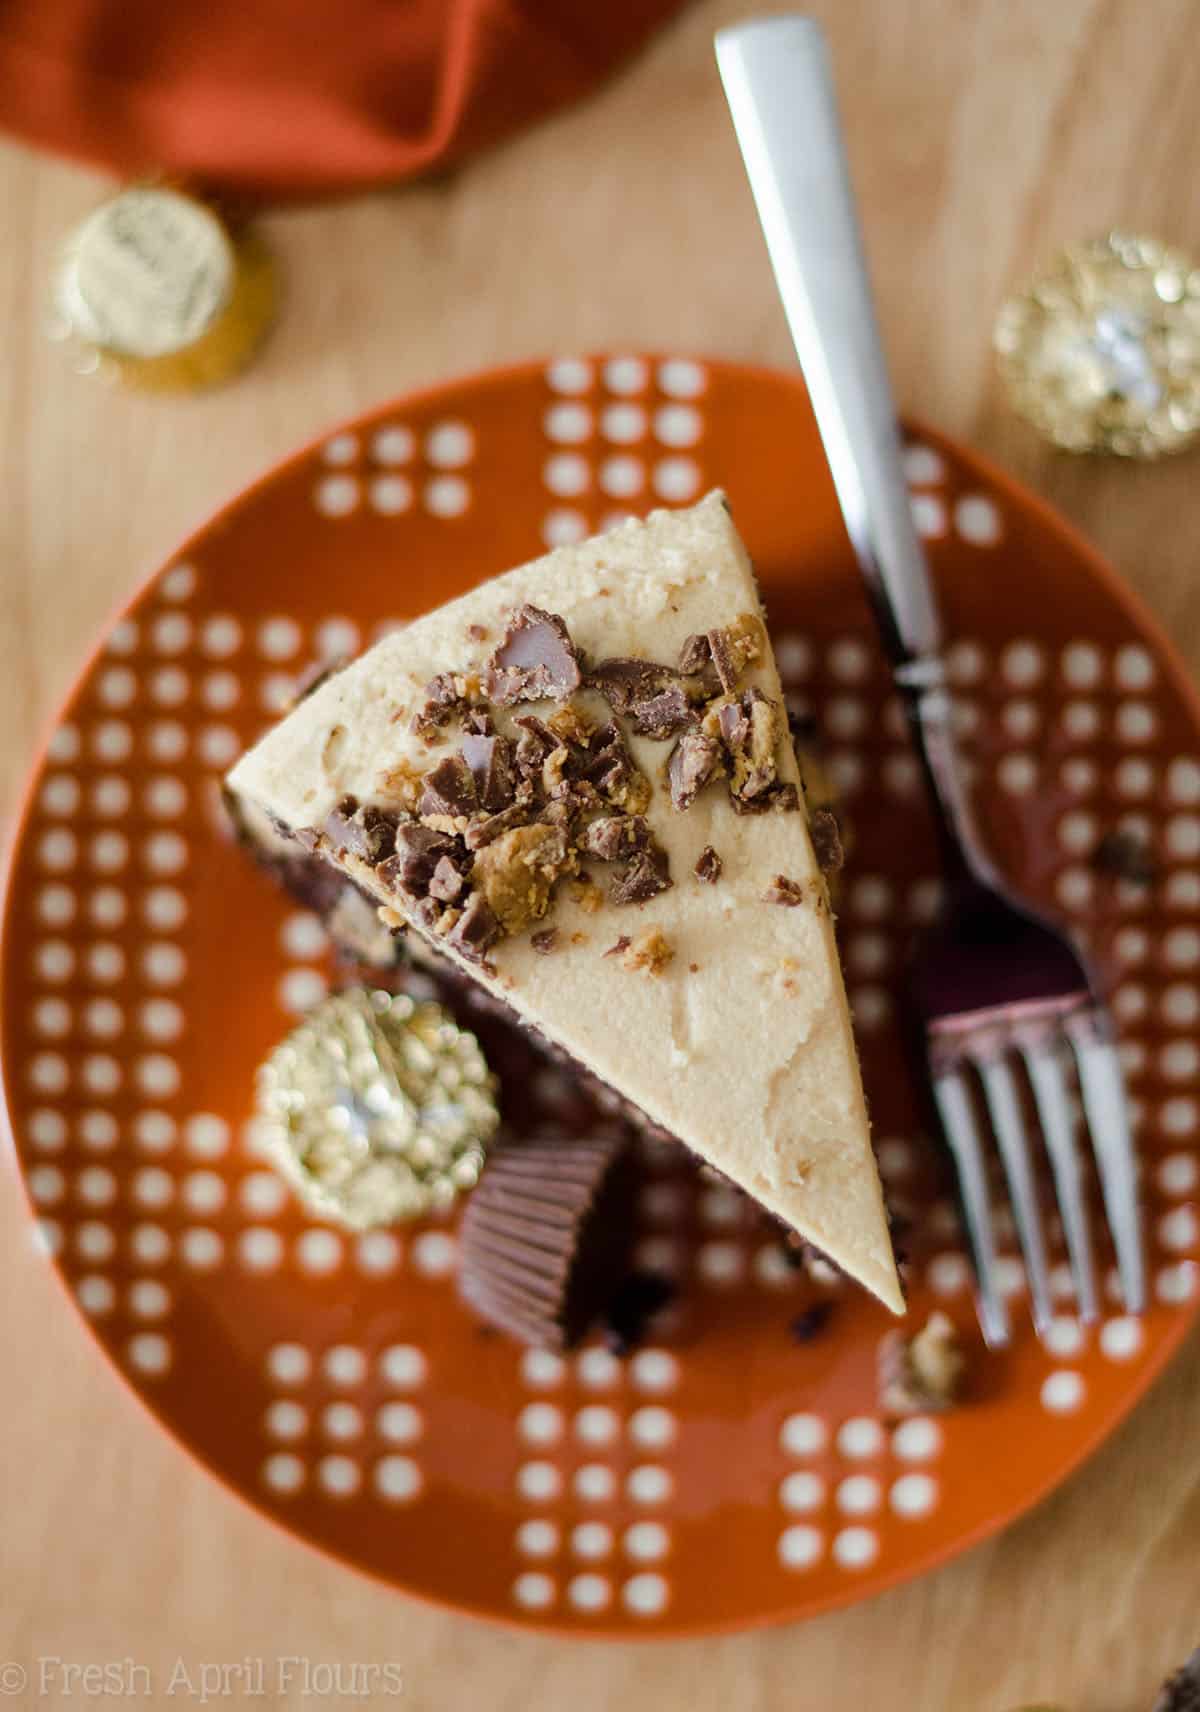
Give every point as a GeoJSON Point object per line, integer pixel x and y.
{"type": "Point", "coordinates": [779, 85]}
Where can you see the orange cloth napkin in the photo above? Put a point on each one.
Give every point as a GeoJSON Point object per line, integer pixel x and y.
{"type": "Point", "coordinates": [292, 97]}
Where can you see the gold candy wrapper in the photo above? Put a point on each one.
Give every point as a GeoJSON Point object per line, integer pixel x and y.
{"type": "Point", "coordinates": [153, 290]}
{"type": "Point", "coordinates": [1101, 352]}
{"type": "Point", "coordinates": [377, 1108]}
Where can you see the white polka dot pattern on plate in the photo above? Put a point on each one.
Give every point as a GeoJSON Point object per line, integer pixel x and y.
{"type": "Point", "coordinates": [563, 526]}
{"type": "Point", "coordinates": [801, 1546]}
{"type": "Point", "coordinates": [1063, 1392]}
{"type": "Point", "coordinates": [399, 1423]}
{"type": "Point", "coordinates": [597, 1369]}
{"type": "Point", "coordinates": [858, 1495]}
{"type": "Point", "coordinates": [803, 1435]}
{"type": "Point", "coordinates": [676, 479]}
{"type": "Point", "coordinates": [404, 1366]}
{"type": "Point", "coordinates": [539, 1481]}
{"type": "Point", "coordinates": [390, 495]}
{"type": "Point", "coordinates": [589, 1592]}
{"type": "Point", "coordinates": [377, 1252]}
{"type": "Point", "coordinates": [533, 1592]}
{"type": "Point", "coordinates": [95, 1295]}
{"type": "Point", "coordinates": [566, 474]}
{"type": "Point", "coordinates": [336, 495]}
{"type": "Point", "coordinates": [283, 1473]}
{"type": "Point", "coordinates": [339, 1476]}
{"type": "Point", "coordinates": [595, 1483]}
{"type": "Point", "coordinates": [449, 445]}
{"type": "Point", "coordinates": [914, 1495]}
{"type": "Point", "coordinates": [570, 375]}
{"type": "Point", "coordinates": [149, 1353]}
{"type": "Point", "coordinates": [393, 444]}
{"type": "Point", "coordinates": [856, 1547]}
{"type": "Point", "coordinates": [591, 1540]}
{"type": "Point", "coordinates": [860, 1438]}
{"type": "Point", "coordinates": [397, 1479]}
{"type": "Point", "coordinates": [918, 1439]}
{"type": "Point", "coordinates": [649, 1484]}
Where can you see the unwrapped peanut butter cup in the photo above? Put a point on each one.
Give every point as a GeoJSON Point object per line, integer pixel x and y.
{"type": "Point", "coordinates": [545, 1237]}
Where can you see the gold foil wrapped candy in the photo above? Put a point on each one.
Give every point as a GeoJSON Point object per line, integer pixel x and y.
{"type": "Point", "coordinates": [1102, 351]}
{"type": "Point", "coordinates": [377, 1108]}
{"type": "Point", "coordinates": [154, 290]}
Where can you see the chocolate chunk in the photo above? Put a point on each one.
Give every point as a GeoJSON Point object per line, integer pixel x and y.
{"type": "Point", "coordinates": [694, 655]}
{"type": "Point", "coordinates": [619, 946]}
{"type": "Point", "coordinates": [613, 837]}
{"type": "Point", "coordinates": [446, 883]}
{"type": "Point", "coordinates": [545, 941]}
{"type": "Point", "coordinates": [776, 799]}
{"type": "Point", "coordinates": [708, 866]}
{"type": "Point", "coordinates": [639, 1297]}
{"type": "Point", "coordinates": [1126, 857]}
{"type": "Point", "coordinates": [536, 660]}
{"type": "Point", "coordinates": [723, 660]}
{"type": "Point", "coordinates": [734, 725]}
{"type": "Point", "coordinates": [445, 696]}
{"type": "Point", "coordinates": [811, 1322]}
{"type": "Point", "coordinates": [625, 683]}
{"type": "Point", "coordinates": [475, 931]}
{"type": "Point", "coordinates": [645, 875]}
{"type": "Point", "coordinates": [694, 760]}
{"type": "Point", "coordinates": [482, 829]}
{"type": "Point", "coordinates": [427, 913]}
{"type": "Point", "coordinates": [826, 839]}
{"type": "Point", "coordinates": [607, 746]}
{"type": "Point", "coordinates": [449, 790]}
{"type": "Point", "coordinates": [533, 745]}
{"type": "Point", "coordinates": [607, 757]}
{"type": "Point", "coordinates": [651, 695]}
{"type": "Point", "coordinates": [490, 759]}
{"type": "Point", "coordinates": [419, 851]}
{"type": "Point", "coordinates": [359, 829]}
{"type": "Point", "coordinates": [749, 727]}
{"type": "Point", "coordinates": [784, 891]}
{"type": "Point", "coordinates": [756, 772]}
{"type": "Point", "coordinates": [565, 810]}
{"type": "Point", "coordinates": [1181, 1692]}
{"type": "Point", "coordinates": [661, 716]}
{"type": "Point", "coordinates": [479, 722]}
{"type": "Point", "coordinates": [733, 647]}
{"type": "Point", "coordinates": [542, 739]}
{"type": "Point", "coordinates": [605, 740]}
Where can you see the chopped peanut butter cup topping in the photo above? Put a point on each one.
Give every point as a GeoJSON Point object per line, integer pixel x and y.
{"type": "Point", "coordinates": [536, 660]}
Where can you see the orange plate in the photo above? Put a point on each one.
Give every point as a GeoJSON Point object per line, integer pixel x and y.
{"type": "Point", "coordinates": [727, 1475]}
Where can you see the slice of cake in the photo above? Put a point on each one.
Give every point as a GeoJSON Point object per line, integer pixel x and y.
{"type": "Point", "coordinates": [576, 784]}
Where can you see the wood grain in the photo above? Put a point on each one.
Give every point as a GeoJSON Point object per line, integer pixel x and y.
{"type": "Point", "coordinates": [984, 133]}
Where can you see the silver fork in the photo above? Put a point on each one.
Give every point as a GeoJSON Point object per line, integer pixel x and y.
{"type": "Point", "coordinates": [996, 987]}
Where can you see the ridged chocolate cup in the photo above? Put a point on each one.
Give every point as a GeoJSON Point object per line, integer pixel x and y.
{"type": "Point", "coordinates": [545, 1236]}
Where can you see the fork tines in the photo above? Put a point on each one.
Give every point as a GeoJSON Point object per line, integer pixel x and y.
{"type": "Point", "coordinates": [990, 1055]}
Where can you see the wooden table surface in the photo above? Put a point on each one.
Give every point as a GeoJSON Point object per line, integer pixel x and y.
{"type": "Point", "coordinates": [984, 133]}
